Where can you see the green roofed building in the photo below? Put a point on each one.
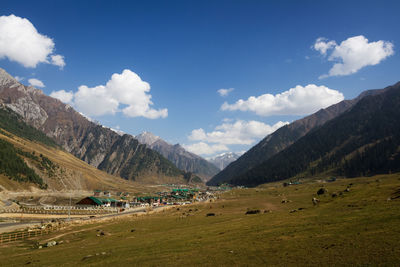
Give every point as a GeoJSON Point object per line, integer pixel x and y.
{"type": "Point", "coordinates": [97, 201]}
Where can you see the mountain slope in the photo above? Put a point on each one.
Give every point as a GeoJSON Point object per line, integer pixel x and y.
{"type": "Point", "coordinates": [365, 140]}
{"type": "Point", "coordinates": [86, 140]}
{"type": "Point", "coordinates": [284, 137]}
{"type": "Point", "coordinates": [182, 159]}
{"type": "Point", "coordinates": [29, 160]}
{"type": "Point", "coordinates": [224, 159]}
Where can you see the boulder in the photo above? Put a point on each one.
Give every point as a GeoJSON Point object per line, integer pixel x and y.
{"type": "Point", "coordinates": [252, 212]}
{"type": "Point", "coordinates": [51, 243]}
{"type": "Point", "coordinates": [322, 191]}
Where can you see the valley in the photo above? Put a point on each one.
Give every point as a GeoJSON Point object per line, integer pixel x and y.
{"type": "Point", "coordinates": [358, 226]}
{"type": "Point", "coordinates": [199, 133]}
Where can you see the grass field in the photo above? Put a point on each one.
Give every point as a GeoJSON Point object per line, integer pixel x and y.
{"type": "Point", "coordinates": [360, 227]}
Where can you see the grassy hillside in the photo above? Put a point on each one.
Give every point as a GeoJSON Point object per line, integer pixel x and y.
{"type": "Point", "coordinates": [13, 123]}
{"type": "Point", "coordinates": [61, 170]}
{"type": "Point", "coordinates": [359, 227]}
{"type": "Point", "coordinates": [13, 166]}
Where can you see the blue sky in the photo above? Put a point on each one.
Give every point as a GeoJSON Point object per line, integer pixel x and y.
{"type": "Point", "coordinates": [187, 50]}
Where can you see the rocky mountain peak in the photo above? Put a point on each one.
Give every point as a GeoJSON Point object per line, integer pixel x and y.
{"type": "Point", "coordinates": [6, 79]}
{"type": "Point", "coordinates": [224, 159]}
{"type": "Point", "coordinates": [147, 138]}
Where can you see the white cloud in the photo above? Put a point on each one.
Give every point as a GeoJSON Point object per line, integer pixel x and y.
{"type": "Point", "coordinates": [95, 101]}
{"type": "Point", "coordinates": [21, 42]}
{"type": "Point", "coordinates": [323, 46]}
{"type": "Point", "coordinates": [202, 148]}
{"type": "Point", "coordinates": [36, 82]}
{"type": "Point", "coordinates": [296, 101]}
{"type": "Point", "coordinates": [58, 60]}
{"type": "Point", "coordinates": [224, 92]}
{"type": "Point", "coordinates": [353, 54]}
{"type": "Point", "coordinates": [236, 133]}
{"type": "Point", "coordinates": [126, 89]}
{"type": "Point", "coordinates": [19, 79]}
{"type": "Point", "coordinates": [63, 96]}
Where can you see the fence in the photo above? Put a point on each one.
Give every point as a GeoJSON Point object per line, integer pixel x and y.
{"type": "Point", "coordinates": [20, 235]}
{"type": "Point", "coordinates": [62, 210]}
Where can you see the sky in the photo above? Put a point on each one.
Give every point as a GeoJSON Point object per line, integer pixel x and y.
{"type": "Point", "coordinates": [213, 76]}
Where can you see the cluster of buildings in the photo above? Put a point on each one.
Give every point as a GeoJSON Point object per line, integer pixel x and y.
{"type": "Point", "coordinates": [177, 196]}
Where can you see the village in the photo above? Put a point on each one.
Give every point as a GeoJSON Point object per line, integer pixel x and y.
{"type": "Point", "coordinates": [103, 202]}
{"type": "Point", "coordinates": [124, 200]}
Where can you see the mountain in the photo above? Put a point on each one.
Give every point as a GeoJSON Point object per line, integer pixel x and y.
{"type": "Point", "coordinates": [30, 160]}
{"type": "Point", "coordinates": [363, 141]}
{"type": "Point", "coordinates": [182, 159]}
{"type": "Point", "coordinates": [99, 146]}
{"type": "Point", "coordinates": [224, 159]}
{"type": "Point", "coordinates": [284, 137]}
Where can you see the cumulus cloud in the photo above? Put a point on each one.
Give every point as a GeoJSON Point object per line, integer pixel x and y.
{"type": "Point", "coordinates": [36, 82]}
{"type": "Point", "coordinates": [63, 96]}
{"type": "Point", "coordinates": [239, 132]}
{"type": "Point", "coordinates": [295, 101]}
{"type": "Point", "coordinates": [236, 133]}
{"type": "Point", "coordinates": [353, 54]}
{"type": "Point", "coordinates": [323, 45]}
{"type": "Point", "coordinates": [95, 101]}
{"type": "Point", "coordinates": [125, 92]}
{"type": "Point", "coordinates": [22, 43]}
{"type": "Point", "coordinates": [58, 60]}
{"type": "Point", "coordinates": [202, 148]}
{"type": "Point", "coordinates": [224, 92]}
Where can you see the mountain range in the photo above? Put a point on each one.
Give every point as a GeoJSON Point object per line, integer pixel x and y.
{"type": "Point", "coordinates": [353, 137]}
{"type": "Point", "coordinates": [182, 159]}
{"type": "Point", "coordinates": [101, 147]}
{"type": "Point", "coordinates": [224, 159]}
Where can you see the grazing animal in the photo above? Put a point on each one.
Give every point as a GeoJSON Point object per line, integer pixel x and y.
{"type": "Point", "coordinates": [315, 201]}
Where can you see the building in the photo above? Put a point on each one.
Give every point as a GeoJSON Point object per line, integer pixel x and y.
{"type": "Point", "coordinates": [100, 202]}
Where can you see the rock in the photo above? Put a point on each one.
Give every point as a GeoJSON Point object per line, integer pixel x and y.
{"type": "Point", "coordinates": [334, 195]}
{"type": "Point", "coordinates": [103, 253]}
{"type": "Point", "coordinates": [40, 247]}
{"type": "Point", "coordinates": [347, 190]}
{"type": "Point", "coordinates": [293, 211]}
{"type": "Point", "coordinates": [51, 243]}
{"type": "Point", "coordinates": [322, 191]}
{"type": "Point", "coordinates": [133, 230]}
{"type": "Point", "coordinates": [252, 212]}
{"type": "Point", "coordinates": [210, 214]}
{"type": "Point", "coordinates": [87, 257]}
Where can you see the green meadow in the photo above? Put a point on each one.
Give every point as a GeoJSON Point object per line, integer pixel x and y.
{"type": "Point", "coordinates": [359, 226]}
